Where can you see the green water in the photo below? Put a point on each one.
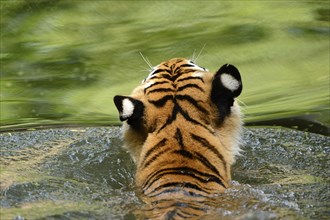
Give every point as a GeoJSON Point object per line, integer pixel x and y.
{"type": "Point", "coordinates": [63, 61]}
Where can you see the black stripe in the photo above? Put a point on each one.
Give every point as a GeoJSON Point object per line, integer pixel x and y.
{"type": "Point", "coordinates": [187, 65]}
{"type": "Point", "coordinates": [178, 186]}
{"type": "Point", "coordinates": [179, 89]}
{"type": "Point", "coordinates": [186, 171]}
{"type": "Point", "coordinates": [158, 71]}
{"type": "Point", "coordinates": [161, 90]}
{"type": "Point", "coordinates": [177, 109]}
{"type": "Point", "coordinates": [191, 78]}
{"type": "Point", "coordinates": [190, 86]}
{"type": "Point", "coordinates": [162, 76]}
{"type": "Point", "coordinates": [154, 84]}
{"type": "Point", "coordinates": [186, 214]}
{"type": "Point", "coordinates": [147, 163]}
{"type": "Point", "coordinates": [181, 73]}
{"type": "Point", "coordinates": [207, 163]}
{"type": "Point", "coordinates": [175, 190]}
{"type": "Point", "coordinates": [167, 75]}
{"type": "Point", "coordinates": [210, 147]}
{"type": "Point", "coordinates": [172, 68]}
{"type": "Point", "coordinates": [193, 102]}
{"type": "Point", "coordinates": [171, 190]}
{"type": "Point", "coordinates": [170, 119]}
{"type": "Point", "coordinates": [161, 102]}
{"type": "Point", "coordinates": [184, 153]}
{"type": "Point", "coordinates": [181, 214]}
{"type": "Point", "coordinates": [154, 148]}
{"type": "Point", "coordinates": [184, 71]}
{"type": "Point", "coordinates": [188, 118]}
{"type": "Point", "coordinates": [173, 78]}
{"type": "Point", "coordinates": [178, 137]}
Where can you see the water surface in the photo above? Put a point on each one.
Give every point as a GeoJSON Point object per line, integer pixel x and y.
{"type": "Point", "coordinates": [83, 173]}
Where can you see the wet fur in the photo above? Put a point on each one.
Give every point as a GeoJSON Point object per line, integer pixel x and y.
{"type": "Point", "coordinates": [183, 134]}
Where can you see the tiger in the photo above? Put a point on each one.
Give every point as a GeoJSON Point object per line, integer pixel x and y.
{"type": "Point", "coordinates": [182, 126]}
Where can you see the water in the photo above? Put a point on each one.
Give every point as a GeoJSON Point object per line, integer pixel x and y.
{"type": "Point", "coordinates": [83, 173]}
{"type": "Point", "coordinates": [63, 61]}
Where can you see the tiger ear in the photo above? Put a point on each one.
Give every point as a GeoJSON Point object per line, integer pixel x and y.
{"type": "Point", "coordinates": [129, 109]}
{"type": "Point", "coordinates": [226, 86]}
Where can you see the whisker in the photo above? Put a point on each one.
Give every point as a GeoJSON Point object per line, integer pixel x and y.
{"type": "Point", "coordinates": [241, 102]}
{"type": "Point", "coordinates": [200, 52]}
{"type": "Point", "coordinates": [193, 56]}
{"type": "Point", "coordinates": [143, 69]}
{"type": "Point", "coordinates": [147, 61]}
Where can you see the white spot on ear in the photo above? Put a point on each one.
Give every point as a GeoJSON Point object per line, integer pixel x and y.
{"type": "Point", "coordinates": [128, 108]}
{"type": "Point", "coordinates": [229, 82]}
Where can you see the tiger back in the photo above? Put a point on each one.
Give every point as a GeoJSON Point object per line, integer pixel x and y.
{"type": "Point", "coordinates": [182, 127]}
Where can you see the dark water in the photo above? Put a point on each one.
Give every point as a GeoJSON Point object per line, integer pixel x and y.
{"type": "Point", "coordinates": [83, 173]}
{"type": "Point", "coordinates": [63, 61]}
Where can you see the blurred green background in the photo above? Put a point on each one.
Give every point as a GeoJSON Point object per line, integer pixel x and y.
{"type": "Point", "coordinates": [63, 61]}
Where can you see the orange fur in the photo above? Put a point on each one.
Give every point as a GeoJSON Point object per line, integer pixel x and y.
{"type": "Point", "coordinates": [180, 129]}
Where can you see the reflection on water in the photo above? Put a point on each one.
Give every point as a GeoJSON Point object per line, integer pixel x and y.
{"type": "Point", "coordinates": [85, 174]}
{"type": "Point", "coordinates": [63, 61]}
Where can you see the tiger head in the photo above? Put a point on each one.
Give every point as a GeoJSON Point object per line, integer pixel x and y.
{"type": "Point", "coordinates": [178, 92]}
